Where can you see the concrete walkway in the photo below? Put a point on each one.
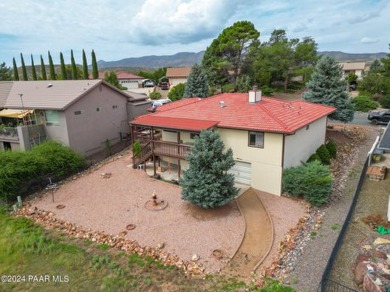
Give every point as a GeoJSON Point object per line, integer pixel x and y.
{"type": "Point", "coordinates": [258, 237]}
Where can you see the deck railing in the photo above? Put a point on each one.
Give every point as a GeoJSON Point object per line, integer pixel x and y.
{"type": "Point", "coordinates": [171, 149]}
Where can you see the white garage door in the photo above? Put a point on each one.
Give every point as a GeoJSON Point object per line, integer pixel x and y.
{"type": "Point", "coordinates": [242, 172]}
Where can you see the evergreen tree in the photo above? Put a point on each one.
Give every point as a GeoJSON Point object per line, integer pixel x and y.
{"type": "Point", "coordinates": [24, 70]}
{"type": "Point", "coordinates": [16, 73]}
{"type": "Point", "coordinates": [207, 182]}
{"type": "Point", "coordinates": [43, 69]}
{"type": "Point", "coordinates": [327, 87]}
{"type": "Point", "coordinates": [176, 92]}
{"type": "Point", "coordinates": [51, 68]}
{"type": "Point", "coordinates": [110, 77]}
{"type": "Point", "coordinates": [197, 85]}
{"type": "Point", "coordinates": [85, 66]}
{"type": "Point", "coordinates": [34, 71]}
{"type": "Point", "coordinates": [95, 71]}
{"type": "Point", "coordinates": [64, 76]}
{"type": "Point", "coordinates": [74, 68]}
{"type": "Point", "coordinates": [5, 72]}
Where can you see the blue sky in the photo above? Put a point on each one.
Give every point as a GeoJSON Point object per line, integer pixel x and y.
{"type": "Point", "coordinates": [118, 29]}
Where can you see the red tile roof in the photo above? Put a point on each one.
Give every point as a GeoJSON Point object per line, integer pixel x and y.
{"type": "Point", "coordinates": [268, 115]}
{"type": "Point", "coordinates": [178, 72]}
{"type": "Point", "coordinates": [174, 123]}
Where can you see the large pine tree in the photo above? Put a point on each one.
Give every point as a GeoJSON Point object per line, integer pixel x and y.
{"type": "Point", "coordinates": [43, 69]}
{"type": "Point", "coordinates": [197, 85]}
{"type": "Point", "coordinates": [207, 182]}
{"type": "Point", "coordinates": [33, 69]}
{"type": "Point", "coordinates": [24, 69]}
{"type": "Point", "coordinates": [95, 71]}
{"type": "Point", "coordinates": [85, 66]}
{"type": "Point", "coordinates": [51, 68]}
{"type": "Point", "coordinates": [328, 87]}
{"type": "Point", "coordinates": [63, 68]}
{"type": "Point", "coordinates": [16, 73]}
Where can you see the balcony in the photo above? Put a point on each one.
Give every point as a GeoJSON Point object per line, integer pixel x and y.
{"type": "Point", "coordinates": [171, 149]}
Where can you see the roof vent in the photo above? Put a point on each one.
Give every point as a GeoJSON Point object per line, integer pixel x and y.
{"type": "Point", "coordinates": [49, 85]}
{"type": "Point", "coordinates": [254, 95]}
{"type": "Point", "coordinates": [222, 104]}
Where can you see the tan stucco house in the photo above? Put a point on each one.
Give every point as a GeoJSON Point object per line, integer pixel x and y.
{"type": "Point", "coordinates": [356, 68]}
{"type": "Point", "coordinates": [266, 135]}
{"type": "Point", "coordinates": [82, 114]}
{"type": "Point", "coordinates": [178, 75]}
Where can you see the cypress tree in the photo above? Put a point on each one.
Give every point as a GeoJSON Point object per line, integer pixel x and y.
{"type": "Point", "coordinates": [24, 70]}
{"type": "Point", "coordinates": [207, 182]}
{"type": "Point", "coordinates": [16, 73]}
{"type": "Point", "coordinates": [197, 85]}
{"type": "Point", "coordinates": [74, 68]}
{"type": "Point", "coordinates": [51, 68]}
{"type": "Point", "coordinates": [85, 66]}
{"type": "Point", "coordinates": [327, 87]}
{"type": "Point", "coordinates": [43, 69]}
{"type": "Point", "coordinates": [95, 71]}
{"type": "Point", "coordinates": [34, 71]}
{"type": "Point", "coordinates": [63, 68]}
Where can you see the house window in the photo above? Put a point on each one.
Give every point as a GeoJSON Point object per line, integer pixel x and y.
{"type": "Point", "coordinates": [114, 106]}
{"type": "Point", "coordinates": [256, 139]}
{"type": "Point", "coordinates": [193, 135]}
{"type": "Point", "coordinates": [52, 117]}
{"type": "Point", "coordinates": [98, 109]}
{"type": "Point", "coordinates": [77, 113]}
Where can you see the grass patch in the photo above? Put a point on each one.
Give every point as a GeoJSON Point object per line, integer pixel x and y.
{"type": "Point", "coordinates": [335, 226]}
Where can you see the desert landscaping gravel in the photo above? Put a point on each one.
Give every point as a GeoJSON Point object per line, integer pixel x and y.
{"type": "Point", "coordinates": [110, 203]}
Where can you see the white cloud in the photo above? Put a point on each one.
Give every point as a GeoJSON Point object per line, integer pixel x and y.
{"type": "Point", "coordinates": [367, 40]}
{"type": "Point", "coordinates": [178, 21]}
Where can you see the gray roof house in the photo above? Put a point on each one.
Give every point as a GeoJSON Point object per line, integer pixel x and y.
{"type": "Point", "coordinates": [83, 114]}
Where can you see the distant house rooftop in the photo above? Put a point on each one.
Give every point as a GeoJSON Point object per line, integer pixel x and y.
{"type": "Point", "coordinates": [353, 65]}
{"type": "Point", "coordinates": [178, 72]}
{"type": "Point", "coordinates": [120, 75]}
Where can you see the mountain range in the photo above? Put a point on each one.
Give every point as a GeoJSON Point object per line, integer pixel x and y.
{"type": "Point", "coordinates": [186, 59]}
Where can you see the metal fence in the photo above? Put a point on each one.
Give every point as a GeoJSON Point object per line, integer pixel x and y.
{"type": "Point", "coordinates": [327, 284]}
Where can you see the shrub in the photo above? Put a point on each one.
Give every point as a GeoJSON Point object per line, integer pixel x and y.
{"type": "Point", "coordinates": [177, 92]}
{"type": "Point", "coordinates": [136, 147]}
{"type": "Point", "coordinates": [19, 169]}
{"type": "Point", "coordinates": [228, 87]}
{"type": "Point", "coordinates": [385, 101]}
{"type": "Point", "coordinates": [364, 103]}
{"type": "Point", "coordinates": [266, 91]}
{"type": "Point", "coordinates": [155, 95]}
{"type": "Point", "coordinates": [311, 180]}
{"type": "Point", "coordinates": [332, 148]}
{"type": "Point", "coordinates": [323, 153]}
{"type": "Point", "coordinates": [314, 157]}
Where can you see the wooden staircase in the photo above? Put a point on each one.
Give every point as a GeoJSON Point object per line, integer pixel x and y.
{"type": "Point", "coordinates": [145, 153]}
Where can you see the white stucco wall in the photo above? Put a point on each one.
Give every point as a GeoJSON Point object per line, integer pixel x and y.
{"type": "Point", "coordinates": [266, 162]}
{"type": "Point", "coordinates": [304, 142]}
{"type": "Point", "coordinates": [176, 80]}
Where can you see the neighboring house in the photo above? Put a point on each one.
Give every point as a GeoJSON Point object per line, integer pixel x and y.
{"type": "Point", "coordinates": [266, 135]}
{"type": "Point", "coordinates": [178, 75]}
{"type": "Point", "coordinates": [126, 79]}
{"type": "Point", "coordinates": [83, 114]}
{"type": "Point", "coordinates": [356, 68]}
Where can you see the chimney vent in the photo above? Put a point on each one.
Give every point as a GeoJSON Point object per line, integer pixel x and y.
{"type": "Point", "coordinates": [254, 95]}
{"type": "Point", "coordinates": [222, 104]}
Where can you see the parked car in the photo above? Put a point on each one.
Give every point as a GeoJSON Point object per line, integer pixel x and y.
{"type": "Point", "coordinates": [164, 85]}
{"type": "Point", "coordinates": [148, 83]}
{"type": "Point", "coordinates": [377, 117]}
{"type": "Point", "coordinates": [157, 103]}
